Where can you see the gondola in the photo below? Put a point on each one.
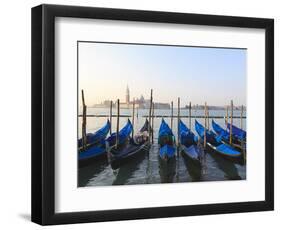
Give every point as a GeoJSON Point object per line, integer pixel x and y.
{"type": "Point", "coordinates": [214, 144]}
{"type": "Point", "coordinates": [166, 140]}
{"type": "Point", "coordinates": [95, 146]}
{"type": "Point", "coordinates": [97, 137]}
{"type": "Point", "coordinates": [98, 150]}
{"type": "Point", "coordinates": [188, 144]}
{"type": "Point", "coordinates": [123, 135]}
{"type": "Point", "coordinates": [238, 133]}
{"type": "Point", "coordinates": [136, 146]}
{"type": "Point", "coordinates": [225, 136]}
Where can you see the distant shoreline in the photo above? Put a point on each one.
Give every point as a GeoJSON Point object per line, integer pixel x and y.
{"type": "Point", "coordinates": [164, 116]}
{"type": "Point", "coordinates": [175, 108]}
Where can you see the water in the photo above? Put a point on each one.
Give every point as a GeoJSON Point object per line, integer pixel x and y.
{"type": "Point", "coordinates": [149, 168]}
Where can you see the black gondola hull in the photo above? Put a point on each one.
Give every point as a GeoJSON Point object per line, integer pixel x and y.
{"type": "Point", "coordinates": [117, 161]}
{"type": "Point", "coordinates": [235, 144]}
{"type": "Point", "coordinates": [186, 155]}
{"type": "Point", "coordinates": [235, 159]}
{"type": "Point", "coordinates": [191, 159]}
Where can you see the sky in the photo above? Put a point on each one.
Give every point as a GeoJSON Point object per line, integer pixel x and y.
{"type": "Point", "coordinates": [196, 74]}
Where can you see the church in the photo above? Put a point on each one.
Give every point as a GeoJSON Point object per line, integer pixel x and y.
{"type": "Point", "coordinates": [139, 102]}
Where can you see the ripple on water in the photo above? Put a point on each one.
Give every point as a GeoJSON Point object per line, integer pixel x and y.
{"type": "Point", "coordinates": [150, 169]}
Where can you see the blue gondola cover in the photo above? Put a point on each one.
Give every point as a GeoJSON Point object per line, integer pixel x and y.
{"type": "Point", "coordinates": [188, 142]}
{"type": "Point", "coordinates": [215, 142]}
{"type": "Point", "coordinates": [94, 138]}
{"type": "Point", "coordinates": [238, 133]}
{"type": "Point", "coordinates": [124, 133]}
{"type": "Point", "coordinates": [166, 140]}
{"type": "Point", "coordinates": [93, 151]}
{"type": "Point", "coordinates": [220, 131]}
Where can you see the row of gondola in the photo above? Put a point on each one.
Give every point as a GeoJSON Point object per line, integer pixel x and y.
{"type": "Point", "coordinates": [126, 147]}
{"type": "Point", "coordinates": [118, 151]}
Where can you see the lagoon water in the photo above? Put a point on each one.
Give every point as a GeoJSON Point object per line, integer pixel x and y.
{"type": "Point", "coordinates": [149, 169]}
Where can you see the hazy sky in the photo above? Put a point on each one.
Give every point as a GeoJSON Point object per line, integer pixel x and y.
{"type": "Point", "coordinates": [194, 74]}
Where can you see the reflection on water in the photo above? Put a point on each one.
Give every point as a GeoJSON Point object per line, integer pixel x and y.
{"type": "Point", "coordinates": [167, 170]}
{"type": "Point", "coordinates": [90, 172]}
{"type": "Point", "coordinates": [194, 169]}
{"type": "Point", "coordinates": [149, 168]}
{"type": "Point", "coordinates": [231, 172]}
{"type": "Point", "coordinates": [123, 174]}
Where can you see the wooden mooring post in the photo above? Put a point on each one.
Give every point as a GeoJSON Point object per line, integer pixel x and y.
{"type": "Point", "coordinates": [133, 118]}
{"type": "Point", "coordinates": [152, 126]}
{"type": "Point", "coordinates": [150, 109]}
{"type": "Point", "coordinates": [241, 118]}
{"type": "Point", "coordinates": [117, 125]}
{"type": "Point", "coordinates": [190, 115]}
{"type": "Point", "coordinates": [208, 119]}
{"type": "Point", "coordinates": [84, 122]}
{"type": "Point", "coordinates": [110, 118]}
{"type": "Point", "coordinates": [242, 141]}
{"type": "Point", "coordinates": [178, 122]}
{"type": "Point", "coordinates": [205, 131]}
{"type": "Point", "coordinates": [172, 114]}
{"type": "Point", "coordinates": [231, 122]}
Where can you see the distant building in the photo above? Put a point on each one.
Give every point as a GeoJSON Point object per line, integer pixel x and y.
{"type": "Point", "coordinates": [128, 95]}
{"type": "Point", "coordinates": [214, 107]}
{"type": "Point", "coordinates": [140, 103]}
{"type": "Point", "coordinates": [159, 105]}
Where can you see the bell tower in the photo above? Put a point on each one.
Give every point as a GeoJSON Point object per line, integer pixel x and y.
{"type": "Point", "coordinates": [127, 95]}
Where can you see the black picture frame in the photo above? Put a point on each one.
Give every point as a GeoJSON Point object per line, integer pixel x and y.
{"type": "Point", "coordinates": [43, 113]}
